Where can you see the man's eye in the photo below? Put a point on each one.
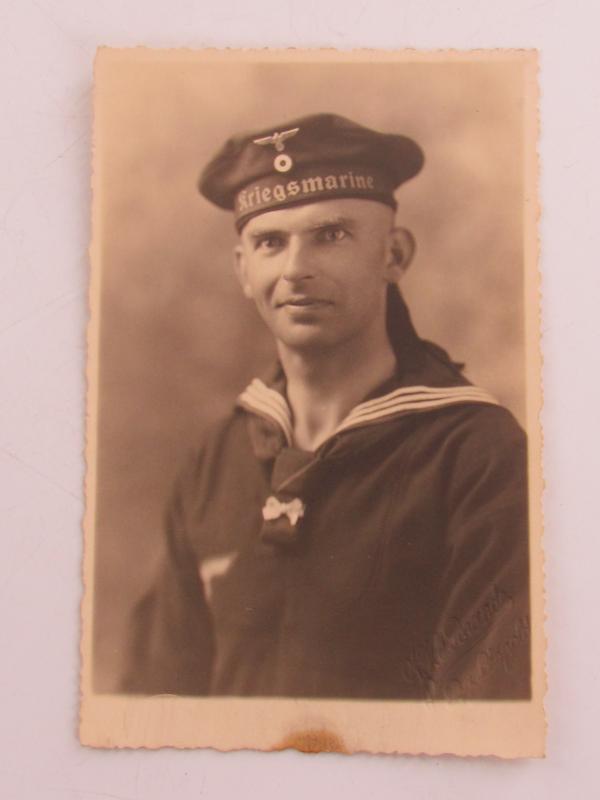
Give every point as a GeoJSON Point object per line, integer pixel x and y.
{"type": "Point", "coordinates": [269, 243]}
{"type": "Point", "coordinates": [332, 235]}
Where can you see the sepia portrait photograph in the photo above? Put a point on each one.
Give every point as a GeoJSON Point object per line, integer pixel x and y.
{"type": "Point", "coordinates": [313, 486]}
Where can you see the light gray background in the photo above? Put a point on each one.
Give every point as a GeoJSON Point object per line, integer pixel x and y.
{"type": "Point", "coordinates": [46, 57]}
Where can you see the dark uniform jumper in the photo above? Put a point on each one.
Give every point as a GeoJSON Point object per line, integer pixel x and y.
{"type": "Point", "coordinates": [390, 563]}
{"type": "Point", "coordinates": [406, 577]}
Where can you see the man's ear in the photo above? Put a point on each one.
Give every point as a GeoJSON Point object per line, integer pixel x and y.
{"type": "Point", "coordinates": [402, 246]}
{"type": "Point", "coordinates": [240, 270]}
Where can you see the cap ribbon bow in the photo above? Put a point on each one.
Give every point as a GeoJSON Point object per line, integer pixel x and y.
{"type": "Point", "coordinates": [274, 508]}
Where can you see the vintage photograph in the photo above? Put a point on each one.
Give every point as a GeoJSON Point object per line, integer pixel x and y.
{"type": "Point", "coordinates": [314, 455]}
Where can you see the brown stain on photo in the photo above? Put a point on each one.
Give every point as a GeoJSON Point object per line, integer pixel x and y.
{"type": "Point", "coordinates": [313, 740]}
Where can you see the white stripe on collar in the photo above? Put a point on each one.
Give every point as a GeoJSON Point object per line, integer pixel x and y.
{"type": "Point", "coordinates": [266, 402]}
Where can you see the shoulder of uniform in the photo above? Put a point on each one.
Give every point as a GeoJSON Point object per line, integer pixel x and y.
{"type": "Point", "coordinates": [491, 421]}
{"type": "Point", "coordinates": [211, 440]}
{"type": "Point", "coordinates": [486, 435]}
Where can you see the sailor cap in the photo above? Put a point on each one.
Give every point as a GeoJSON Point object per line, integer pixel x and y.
{"type": "Point", "coordinates": [318, 157]}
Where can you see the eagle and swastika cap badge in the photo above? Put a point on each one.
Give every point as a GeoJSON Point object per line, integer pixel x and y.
{"type": "Point", "coordinates": [281, 162]}
{"type": "Point", "coordinates": [314, 158]}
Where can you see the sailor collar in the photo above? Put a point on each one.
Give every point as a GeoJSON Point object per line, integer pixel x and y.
{"type": "Point", "coordinates": [270, 403]}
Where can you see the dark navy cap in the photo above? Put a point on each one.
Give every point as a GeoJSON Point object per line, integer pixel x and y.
{"type": "Point", "coordinates": [319, 157]}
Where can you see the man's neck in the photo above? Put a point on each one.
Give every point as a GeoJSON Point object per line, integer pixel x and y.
{"type": "Point", "coordinates": [324, 387]}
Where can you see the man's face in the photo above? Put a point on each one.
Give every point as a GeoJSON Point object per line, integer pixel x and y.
{"type": "Point", "coordinates": [318, 272]}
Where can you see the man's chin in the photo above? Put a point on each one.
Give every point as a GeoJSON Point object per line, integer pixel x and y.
{"type": "Point", "coordinates": [305, 338]}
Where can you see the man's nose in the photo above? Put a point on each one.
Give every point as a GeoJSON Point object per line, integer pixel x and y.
{"type": "Point", "coordinates": [299, 263]}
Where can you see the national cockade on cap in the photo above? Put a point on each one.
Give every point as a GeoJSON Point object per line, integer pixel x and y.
{"type": "Point", "coordinates": [318, 157]}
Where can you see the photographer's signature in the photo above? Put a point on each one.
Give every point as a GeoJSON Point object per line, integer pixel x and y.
{"type": "Point", "coordinates": [466, 653]}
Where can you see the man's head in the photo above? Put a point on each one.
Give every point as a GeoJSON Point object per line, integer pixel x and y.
{"type": "Point", "coordinates": [318, 272]}
{"type": "Point", "coordinates": [314, 203]}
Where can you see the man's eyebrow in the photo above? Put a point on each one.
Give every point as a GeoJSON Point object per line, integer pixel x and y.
{"type": "Point", "coordinates": [260, 233]}
{"type": "Point", "coordinates": [332, 222]}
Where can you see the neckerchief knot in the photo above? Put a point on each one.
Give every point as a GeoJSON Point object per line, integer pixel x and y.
{"type": "Point", "coordinates": [274, 508]}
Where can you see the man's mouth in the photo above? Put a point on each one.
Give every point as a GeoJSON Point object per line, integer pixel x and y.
{"type": "Point", "coordinates": [303, 302]}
